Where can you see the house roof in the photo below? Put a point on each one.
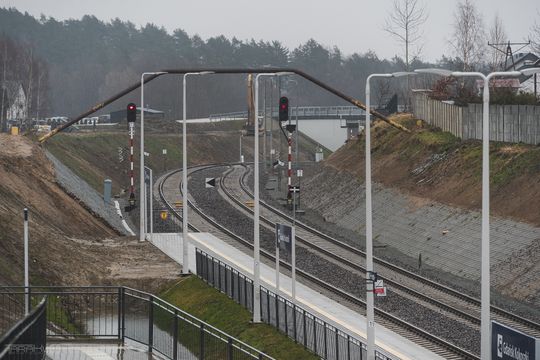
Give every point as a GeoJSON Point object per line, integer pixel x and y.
{"type": "Point", "coordinates": [522, 60]}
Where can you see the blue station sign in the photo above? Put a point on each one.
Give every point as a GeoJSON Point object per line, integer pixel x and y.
{"type": "Point", "coordinates": [510, 344]}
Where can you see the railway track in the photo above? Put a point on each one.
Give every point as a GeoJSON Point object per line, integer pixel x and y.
{"type": "Point", "coordinates": [404, 281]}
{"type": "Point", "coordinates": [414, 333]}
{"type": "Point", "coordinates": [408, 330]}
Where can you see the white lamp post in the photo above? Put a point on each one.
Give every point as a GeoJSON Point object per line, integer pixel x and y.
{"type": "Point", "coordinates": [485, 342]}
{"type": "Point", "coordinates": [370, 308]}
{"type": "Point", "coordinates": [142, 190]}
{"type": "Point", "coordinates": [256, 241]}
{"type": "Point", "coordinates": [185, 224]}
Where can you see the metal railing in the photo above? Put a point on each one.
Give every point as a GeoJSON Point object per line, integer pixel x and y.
{"type": "Point", "coordinates": [120, 313]}
{"type": "Point", "coordinates": [26, 340]}
{"type": "Point", "coordinates": [300, 325]}
{"type": "Point", "coordinates": [302, 112]}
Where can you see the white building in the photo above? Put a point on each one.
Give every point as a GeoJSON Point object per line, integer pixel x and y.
{"type": "Point", "coordinates": [16, 101]}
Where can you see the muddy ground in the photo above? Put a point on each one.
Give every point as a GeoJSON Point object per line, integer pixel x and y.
{"type": "Point", "coordinates": [68, 245]}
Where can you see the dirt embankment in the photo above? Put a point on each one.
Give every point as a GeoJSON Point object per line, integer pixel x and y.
{"type": "Point", "coordinates": [426, 198]}
{"type": "Point", "coordinates": [67, 244]}
{"type": "Point", "coordinates": [436, 166]}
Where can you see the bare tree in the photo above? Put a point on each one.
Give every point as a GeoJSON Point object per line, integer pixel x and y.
{"type": "Point", "coordinates": [468, 37]}
{"type": "Point", "coordinates": [30, 88]}
{"type": "Point", "coordinates": [4, 70]}
{"type": "Point", "coordinates": [497, 37]}
{"type": "Point", "coordinates": [404, 23]}
{"type": "Point", "coordinates": [535, 36]}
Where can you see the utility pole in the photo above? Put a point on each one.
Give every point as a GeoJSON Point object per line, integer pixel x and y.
{"type": "Point", "coordinates": [272, 124]}
{"type": "Point", "coordinates": [264, 127]}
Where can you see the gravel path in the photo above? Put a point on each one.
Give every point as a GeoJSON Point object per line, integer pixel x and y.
{"type": "Point", "coordinates": [217, 207]}
{"type": "Point", "coordinates": [93, 200]}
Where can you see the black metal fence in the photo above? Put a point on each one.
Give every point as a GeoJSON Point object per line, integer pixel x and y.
{"type": "Point", "coordinates": [300, 325]}
{"type": "Point", "coordinates": [119, 313]}
{"type": "Point", "coordinates": [26, 340]}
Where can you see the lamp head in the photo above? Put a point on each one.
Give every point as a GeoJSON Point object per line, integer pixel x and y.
{"type": "Point", "coordinates": [434, 71]}
{"type": "Point", "coordinates": [403, 73]}
{"type": "Point", "coordinates": [530, 71]}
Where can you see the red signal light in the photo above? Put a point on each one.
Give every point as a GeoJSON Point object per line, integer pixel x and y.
{"type": "Point", "coordinates": [283, 108]}
{"type": "Point", "coordinates": [131, 112]}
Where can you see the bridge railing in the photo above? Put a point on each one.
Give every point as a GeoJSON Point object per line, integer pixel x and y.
{"type": "Point", "coordinates": [314, 112]}
{"type": "Point", "coordinates": [121, 313]}
{"type": "Point", "coordinates": [315, 334]}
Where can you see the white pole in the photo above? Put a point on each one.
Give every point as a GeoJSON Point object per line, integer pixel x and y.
{"type": "Point", "coordinates": [185, 223]}
{"type": "Point", "coordinates": [142, 213]}
{"type": "Point", "coordinates": [241, 157]}
{"type": "Point", "coordinates": [142, 196]}
{"type": "Point", "coordinates": [485, 350]}
{"type": "Point", "coordinates": [370, 307]}
{"type": "Point", "coordinates": [370, 311]}
{"type": "Point", "coordinates": [293, 263]}
{"type": "Point", "coordinates": [185, 247]}
{"type": "Point", "coordinates": [256, 250]}
{"type": "Point", "coordinates": [485, 296]}
{"type": "Point", "coordinates": [26, 280]}
{"type": "Point", "coordinates": [277, 260]}
{"type": "Point", "coordinates": [151, 205]}
{"type": "Point", "coordinates": [256, 240]}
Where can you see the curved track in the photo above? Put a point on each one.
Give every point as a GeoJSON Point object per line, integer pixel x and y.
{"type": "Point", "coordinates": [422, 288]}
{"type": "Point", "coordinates": [434, 343]}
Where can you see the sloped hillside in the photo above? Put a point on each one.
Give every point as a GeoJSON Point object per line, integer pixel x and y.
{"type": "Point", "coordinates": [67, 244]}
{"type": "Point", "coordinates": [436, 165]}
{"type": "Point", "coordinates": [426, 202]}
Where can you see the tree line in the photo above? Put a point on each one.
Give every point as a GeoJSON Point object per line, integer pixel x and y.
{"type": "Point", "coordinates": [88, 60]}
{"type": "Point", "coordinates": [21, 70]}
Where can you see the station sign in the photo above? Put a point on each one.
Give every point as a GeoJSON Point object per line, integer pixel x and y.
{"type": "Point", "coordinates": [284, 237]}
{"type": "Point", "coordinates": [379, 289]}
{"type": "Point", "coordinates": [510, 344]}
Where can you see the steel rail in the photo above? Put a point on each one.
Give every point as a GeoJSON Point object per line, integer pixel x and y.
{"type": "Point", "coordinates": [447, 346]}
{"type": "Point", "coordinates": [529, 324]}
{"type": "Point", "coordinates": [464, 315]}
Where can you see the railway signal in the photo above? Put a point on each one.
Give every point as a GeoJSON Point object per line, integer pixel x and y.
{"type": "Point", "coordinates": [131, 116]}
{"type": "Point", "coordinates": [283, 108]}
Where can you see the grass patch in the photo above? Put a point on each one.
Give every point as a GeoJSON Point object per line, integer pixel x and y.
{"type": "Point", "coordinates": [506, 164]}
{"type": "Point", "coordinates": [197, 298]}
{"type": "Point", "coordinates": [437, 140]}
{"type": "Point", "coordinates": [95, 156]}
{"type": "Point", "coordinates": [58, 315]}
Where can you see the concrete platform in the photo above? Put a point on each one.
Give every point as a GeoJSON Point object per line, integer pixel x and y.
{"type": "Point", "coordinates": [326, 309]}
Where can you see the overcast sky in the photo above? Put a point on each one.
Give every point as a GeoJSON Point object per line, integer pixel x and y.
{"type": "Point", "coordinates": [352, 25]}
